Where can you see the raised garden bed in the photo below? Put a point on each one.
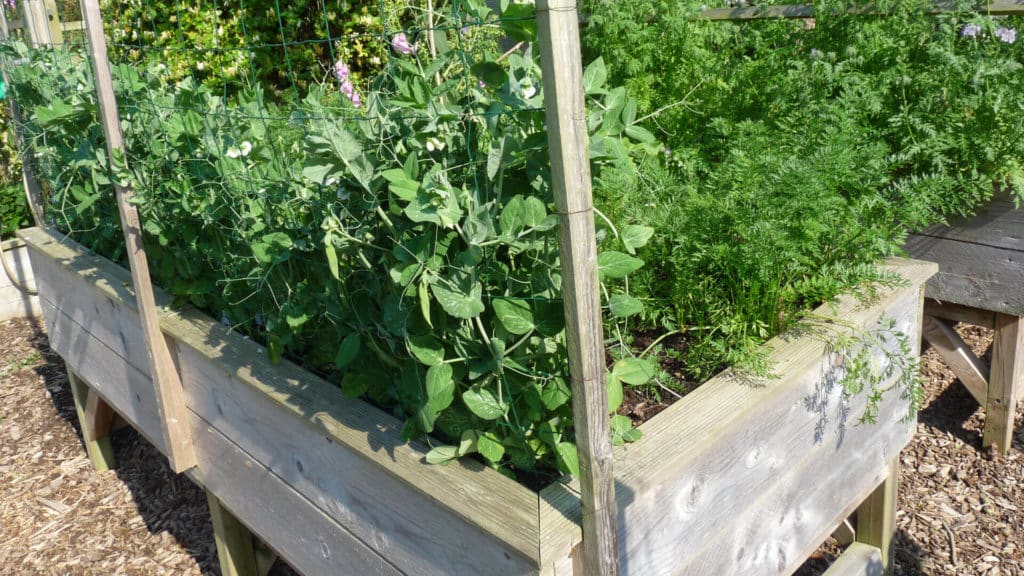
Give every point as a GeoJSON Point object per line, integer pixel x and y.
{"type": "Point", "coordinates": [14, 301]}
{"type": "Point", "coordinates": [980, 280]}
{"type": "Point", "coordinates": [739, 477]}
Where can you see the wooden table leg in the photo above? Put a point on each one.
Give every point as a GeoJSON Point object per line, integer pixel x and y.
{"type": "Point", "coordinates": [95, 417]}
{"type": "Point", "coordinates": [876, 517]}
{"type": "Point", "coordinates": [235, 548]}
{"type": "Point", "coordinates": [1005, 382]}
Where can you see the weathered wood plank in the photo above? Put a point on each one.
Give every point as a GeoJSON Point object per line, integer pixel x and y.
{"type": "Point", "coordinates": [1006, 381]}
{"type": "Point", "coordinates": [997, 224]}
{"type": "Point", "coordinates": [236, 553]}
{"type": "Point", "coordinates": [973, 274]}
{"type": "Point", "coordinates": [166, 380]}
{"type": "Point", "coordinates": [128, 390]}
{"type": "Point", "coordinates": [876, 517]}
{"type": "Point", "coordinates": [671, 485]}
{"type": "Point", "coordinates": [960, 313]}
{"type": "Point", "coordinates": [478, 495]}
{"type": "Point", "coordinates": [288, 522]}
{"type": "Point", "coordinates": [382, 510]}
{"type": "Point", "coordinates": [958, 356]}
{"type": "Point", "coordinates": [95, 418]}
{"type": "Point", "coordinates": [844, 534]}
{"type": "Point", "coordinates": [858, 560]}
{"type": "Point", "coordinates": [14, 302]}
{"type": "Point", "coordinates": [559, 45]}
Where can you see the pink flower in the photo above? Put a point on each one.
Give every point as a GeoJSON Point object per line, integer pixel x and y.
{"type": "Point", "coordinates": [401, 44]}
{"type": "Point", "coordinates": [341, 71]}
{"type": "Point", "coordinates": [356, 100]}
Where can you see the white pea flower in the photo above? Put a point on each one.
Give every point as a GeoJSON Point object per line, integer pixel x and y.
{"type": "Point", "coordinates": [434, 144]}
{"type": "Point", "coordinates": [233, 152]}
{"type": "Point", "coordinates": [246, 148]}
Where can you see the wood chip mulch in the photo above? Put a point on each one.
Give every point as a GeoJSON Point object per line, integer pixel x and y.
{"type": "Point", "coordinates": [961, 509]}
{"type": "Point", "coordinates": [58, 516]}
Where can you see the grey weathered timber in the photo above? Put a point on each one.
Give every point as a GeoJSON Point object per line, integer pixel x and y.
{"type": "Point", "coordinates": [568, 141]}
{"type": "Point", "coordinates": [1006, 383]}
{"type": "Point", "coordinates": [981, 258]}
{"type": "Point", "coordinates": [857, 560]}
{"type": "Point", "coordinates": [958, 356]}
{"type": "Point", "coordinates": [761, 471]}
{"type": "Point", "coordinates": [236, 551]}
{"type": "Point", "coordinates": [343, 458]}
{"type": "Point", "coordinates": [960, 313]}
{"type": "Point", "coordinates": [56, 31]}
{"type": "Point", "coordinates": [876, 517]}
{"type": "Point", "coordinates": [14, 301]}
{"type": "Point", "coordinates": [170, 397]}
{"type": "Point", "coordinates": [95, 417]}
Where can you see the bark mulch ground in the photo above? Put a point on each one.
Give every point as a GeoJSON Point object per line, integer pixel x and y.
{"type": "Point", "coordinates": [58, 516]}
{"type": "Point", "coordinates": [961, 508]}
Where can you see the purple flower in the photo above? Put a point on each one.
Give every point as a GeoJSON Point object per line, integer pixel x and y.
{"type": "Point", "coordinates": [401, 44]}
{"type": "Point", "coordinates": [970, 30]}
{"type": "Point", "coordinates": [11, 4]}
{"type": "Point", "coordinates": [341, 71]}
{"type": "Point", "coordinates": [1008, 35]}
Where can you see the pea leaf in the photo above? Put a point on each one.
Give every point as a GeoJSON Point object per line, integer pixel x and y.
{"type": "Point", "coordinates": [463, 305]}
{"type": "Point", "coordinates": [442, 455]}
{"type": "Point", "coordinates": [426, 349]}
{"type": "Point", "coordinates": [488, 445]}
{"type": "Point", "coordinates": [354, 385]}
{"type": "Point", "coordinates": [612, 265]}
{"type": "Point", "coordinates": [348, 350]}
{"type": "Point", "coordinates": [614, 386]}
{"type": "Point", "coordinates": [568, 458]}
{"type": "Point", "coordinates": [623, 431]}
{"type": "Point", "coordinates": [483, 403]}
{"type": "Point", "coordinates": [634, 237]}
{"type": "Point", "coordinates": [594, 77]}
{"type": "Point", "coordinates": [514, 314]}
{"type": "Point", "coordinates": [635, 371]}
{"type": "Point", "coordinates": [624, 306]}
{"type": "Point", "coordinates": [555, 393]}
{"type": "Point", "coordinates": [440, 387]}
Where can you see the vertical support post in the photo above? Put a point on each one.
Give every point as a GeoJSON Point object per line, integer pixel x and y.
{"type": "Point", "coordinates": [53, 22]}
{"type": "Point", "coordinates": [561, 62]}
{"type": "Point", "coordinates": [169, 394]}
{"type": "Point", "coordinates": [235, 549]}
{"type": "Point", "coordinates": [95, 417]}
{"type": "Point", "coordinates": [33, 194]}
{"type": "Point", "coordinates": [876, 516]}
{"type": "Point", "coordinates": [1006, 379]}
{"type": "Point", "coordinates": [34, 15]}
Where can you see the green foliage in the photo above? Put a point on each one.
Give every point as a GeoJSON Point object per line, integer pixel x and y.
{"type": "Point", "coordinates": [798, 156]}
{"type": "Point", "coordinates": [406, 249]}
{"type": "Point", "coordinates": [14, 213]}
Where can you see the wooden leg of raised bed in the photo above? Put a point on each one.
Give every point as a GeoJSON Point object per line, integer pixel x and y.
{"type": "Point", "coordinates": [236, 548]}
{"type": "Point", "coordinates": [1005, 382]}
{"type": "Point", "coordinates": [95, 417]}
{"type": "Point", "coordinates": [876, 517]}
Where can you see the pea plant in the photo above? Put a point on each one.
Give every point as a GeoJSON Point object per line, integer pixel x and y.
{"type": "Point", "coordinates": [396, 235]}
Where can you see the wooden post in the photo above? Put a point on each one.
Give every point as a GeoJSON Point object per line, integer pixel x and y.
{"type": "Point", "coordinates": [235, 549]}
{"type": "Point", "coordinates": [34, 16]}
{"type": "Point", "coordinates": [53, 22]}
{"type": "Point", "coordinates": [164, 371]}
{"type": "Point", "coordinates": [1006, 379]}
{"type": "Point", "coordinates": [876, 517]}
{"type": "Point", "coordinates": [32, 192]}
{"type": "Point", "coordinates": [561, 62]}
{"type": "Point", "coordinates": [95, 418]}
{"type": "Point", "coordinates": [958, 356]}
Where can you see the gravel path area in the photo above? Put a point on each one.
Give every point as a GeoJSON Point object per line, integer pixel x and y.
{"type": "Point", "coordinates": [961, 509]}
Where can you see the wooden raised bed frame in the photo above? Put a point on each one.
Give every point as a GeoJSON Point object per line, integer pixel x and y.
{"type": "Point", "coordinates": [14, 302]}
{"type": "Point", "coordinates": [981, 282]}
{"type": "Point", "coordinates": [738, 477]}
